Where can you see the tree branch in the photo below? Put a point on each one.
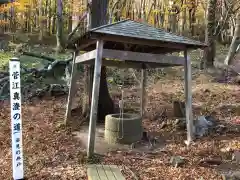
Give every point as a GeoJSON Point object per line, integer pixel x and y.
{"type": "Point", "coordinates": [224, 22]}
{"type": "Point", "coordinates": [78, 25]}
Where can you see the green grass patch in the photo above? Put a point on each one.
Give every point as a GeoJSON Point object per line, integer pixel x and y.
{"type": "Point", "coordinates": [4, 58]}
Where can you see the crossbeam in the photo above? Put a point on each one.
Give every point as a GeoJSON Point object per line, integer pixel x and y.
{"type": "Point", "coordinates": [131, 57]}
{"type": "Point", "coordinates": [143, 57]}
{"type": "Point", "coordinates": [128, 64]}
{"type": "Point", "coordinates": [86, 56]}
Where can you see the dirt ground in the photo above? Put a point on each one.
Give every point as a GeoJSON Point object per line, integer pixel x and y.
{"type": "Point", "coordinates": [53, 152]}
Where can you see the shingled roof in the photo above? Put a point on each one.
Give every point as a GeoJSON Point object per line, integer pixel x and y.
{"type": "Point", "coordinates": [129, 28]}
{"type": "Point", "coordinates": [146, 37]}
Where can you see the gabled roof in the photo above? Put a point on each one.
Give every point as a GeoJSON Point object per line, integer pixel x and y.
{"type": "Point", "coordinates": [133, 29]}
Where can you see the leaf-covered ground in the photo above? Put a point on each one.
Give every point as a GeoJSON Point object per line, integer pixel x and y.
{"type": "Point", "coordinates": [52, 152]}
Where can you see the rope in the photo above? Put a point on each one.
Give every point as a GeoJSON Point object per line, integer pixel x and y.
{"type": "Point", "coordinates": [121, 107]}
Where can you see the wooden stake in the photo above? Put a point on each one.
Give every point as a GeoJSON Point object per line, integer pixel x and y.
{"type": "Point", "coordinates": [71, 91]}
{"type": "Point", "coordinates": [188, 98]}
{"type": "Point", "coordinates": [95, 97]}
{"type": "Point", "coordinates": [143, 89]}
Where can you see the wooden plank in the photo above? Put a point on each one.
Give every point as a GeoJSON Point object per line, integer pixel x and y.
{"type": "Point", "coordinates": [86, 56]}
{"type": "Point", "coordinates": [143, 90]}
{"type": "Point", "coordinates": [188, 97]}
{"type": "Point", "coordinates": [95, 96]}
{"type": "Point", "coordinates": [101, 172]}
{"type": "Point", "coordinates": [117, 173]}
{"type": "Point", "coordinates": [121, 64]}
{"type": "Point", "coordinates": [92, 173]}
{"type": "Point", "coordinates": [153, 43]}
{"type": "Point", "coordinates": [129, 64]}
{"type": "Point", "coordinates": [109, 172]}
{"type": "Point", "coordinates": [71, 93]}
{"type": "Point", "coordinates": [142, 57]}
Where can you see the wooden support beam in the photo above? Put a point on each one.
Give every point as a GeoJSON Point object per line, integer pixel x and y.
{"type": "Point", "coordinates": [188, 98]}
{"type": "Point", "coordinates": [152, 43]}
{"type": "Point", "coordinates": [121, 64]}
{"type": "Point", "coordinates": [95, 97]}
{"type": "Point", "coordinates": [72, 89]}
{"type": "Point", "coordinates": [86, 56]}
{"type": "Point", "coordinates": [129, 64]}
{"type": "Point", "coordinates": [142, 57]}
{"type": "Point", "coordinates": [143, 89]}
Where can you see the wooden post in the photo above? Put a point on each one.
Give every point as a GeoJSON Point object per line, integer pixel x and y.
{"type": "Point", "coordinates": [95, 97]}
{"type": "Point", "coordinates": [188, 98]}
{"type": "Point", "coordinates": [71, 91]}
{"type": "Point", "coordinates": [143, 89]}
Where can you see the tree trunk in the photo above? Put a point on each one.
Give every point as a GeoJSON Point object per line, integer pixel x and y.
{"type": "Point", "coordinates": [59, 34]}
{"type": "Point", "coordinates": [12, 21]}
{"type": "Point", "coordinates": [41, 27]}
{"type": "Point", "coordinates": [54, 17]}
{"type": "Point", "coordinates": [184, 18]}
{"type": "Point", "coordinates": [193, 19]}
{"type": "Point", "coordinates": [49, 18]}
{"type": "Point", "coordinates": [209, 52]}
{"type": "Point", "coordinates": [70, 17]}
{"type": "Point", "coordinates": [235, 42]}
{"type": "Point", "coordinates": [75, 15]}
{"type": "Point", "coordinates": [99, 13]}
{"type": "Point", "coordinates": [105, 103]}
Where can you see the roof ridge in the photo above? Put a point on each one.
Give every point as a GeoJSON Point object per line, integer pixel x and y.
{"type": "Point", "coordinates": [111, 24]}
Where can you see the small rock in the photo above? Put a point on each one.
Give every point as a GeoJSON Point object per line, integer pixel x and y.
{"type": "Point", "coordinates": [233, 176]}
{"type": "Point", "coordinates": [177, 161]}
{"type": "Point", "coordinates": [236, 156]}
{"type": "Point", "coordinates": [163, 125]}
{"type": "Point", "coordinates": [227, 149]}
{"type": "Point", "coordinates": [180, 124]}
{"type": "Point", "coordinates": [221, 128]}
{"type": "Point", "coordinates": [177, 121]}
{"type": "Point", "coordinates": [207, 91]}
{"type": "Point", "coordinates": [210, 162]}
{"type": "Point", "coordinates": [236, 175]}
{"type": "Point", "coordinates": [212, 120]}
{"type": "Point", "coordinates": [225, 177]}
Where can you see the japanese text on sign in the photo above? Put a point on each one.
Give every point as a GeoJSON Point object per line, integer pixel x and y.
{"type": "Point", "coordinates": [15, 95]}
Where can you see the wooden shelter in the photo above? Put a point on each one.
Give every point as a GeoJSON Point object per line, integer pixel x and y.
{"type": "Point", "coordinates": [130, 44]}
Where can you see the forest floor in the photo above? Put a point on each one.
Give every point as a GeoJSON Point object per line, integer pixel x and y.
{"type": "Point", "coordinates": [53, 152]}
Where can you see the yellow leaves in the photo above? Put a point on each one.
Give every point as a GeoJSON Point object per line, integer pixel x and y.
{"type": "Point", "coordinates": [156, 11]}
{"type": "Point", "coordinates": [114, 19]}
{"type": "Point", "coordinates": [79, 9]}
{"type": "Point", "coordinates": [20, 5]}
{"type": "Point", "coordinates": [41, 18]}
{"type": "Point", "coordinates": [3, 22]}
{"type": "Point", "coordinates": [124, 13]}
{"type": "Point", "coordinates": [151, 19]}
{"type": "Point", "coordinates": [2, 10]}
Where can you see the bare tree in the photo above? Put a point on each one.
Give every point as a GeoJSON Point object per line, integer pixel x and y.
{"type": "Point", "coordinates": [209, 52]}
{"type": "Point", "coordinates": [235, 42]}
{"type": "Point", "coordinates": [59, 34]}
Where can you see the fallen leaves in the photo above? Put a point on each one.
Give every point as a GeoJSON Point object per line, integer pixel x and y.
{"type": "Point", "coordinates": [51, 152]}
{"type": "Point", "coordinates": [47, 148]}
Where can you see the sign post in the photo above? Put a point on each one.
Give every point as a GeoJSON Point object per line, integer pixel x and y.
{"type": "Point", "coordinates": [16, 119]}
